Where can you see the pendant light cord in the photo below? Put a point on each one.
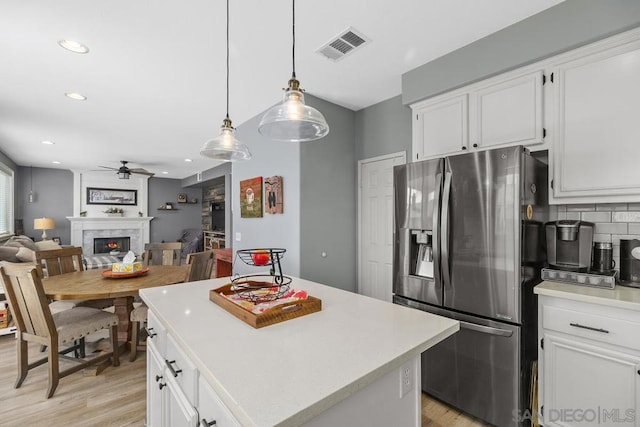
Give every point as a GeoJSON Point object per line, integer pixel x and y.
{"type": "Point", "coordinates": [293, 50]}
{"type": "Point", "coordinates": [227, 59]}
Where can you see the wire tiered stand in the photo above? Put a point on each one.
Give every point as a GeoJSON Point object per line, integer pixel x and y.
{"type": "Point", "coordinates": [253, 287]}
{"type": "Point", "coordinates": [262, 288]}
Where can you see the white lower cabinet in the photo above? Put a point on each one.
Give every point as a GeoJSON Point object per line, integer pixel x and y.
{"type": "Point", "coordinates": [179, 411]}
{"type": "Point", "coordinates": [176, 395]}
{"type": "Point", "coordinates": [155, 384]}
{"type": "Point", "coordinates": [211, 408]}
{"type": "Point", "coordinates": [589, 364]}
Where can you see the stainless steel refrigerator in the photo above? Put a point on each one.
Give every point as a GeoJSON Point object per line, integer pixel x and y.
{"type": "Point", "coordinates": [469, 246]}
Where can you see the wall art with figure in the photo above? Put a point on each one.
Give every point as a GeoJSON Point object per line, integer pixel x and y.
{"type": "Point", "coordinates": [273, 195]}
{"type": "Point", "coordinates": [251, 198]}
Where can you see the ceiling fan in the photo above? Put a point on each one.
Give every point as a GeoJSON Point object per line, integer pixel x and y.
{"type": "Point", "coordinates": [124, 172]}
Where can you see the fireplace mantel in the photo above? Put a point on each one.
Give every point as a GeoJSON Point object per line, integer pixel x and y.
{"type": "Point", "coordinates": [135, 227]}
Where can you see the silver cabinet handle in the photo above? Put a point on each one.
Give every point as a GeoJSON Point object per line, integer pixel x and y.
{"type": "Point", "coordinates": [578, 325]}
{"type": "Point", "coordinates": [485, 329]}
{"type": "Point", "coordinates": [444, 237]}
{"type": "Point", "coordinates": [205, 423]}
{"type": "Point", "coordinates": [173, 371]}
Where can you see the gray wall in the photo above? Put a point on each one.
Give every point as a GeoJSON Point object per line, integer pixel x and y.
{"type": "Point", "coordinates": [383, 128]}
{"type": "Point", "coordinates": [328, 201]}
{"type": "Point", "coordinates": [563, 27]}
{"type": "Point", "coordinates": [207, 175]}
{"type": "Point", "coordinates": [275, 231]}
{"type": "Point", "coordinates": [167, 225]}
{"type": "Point", "coordinates": [53, 190]}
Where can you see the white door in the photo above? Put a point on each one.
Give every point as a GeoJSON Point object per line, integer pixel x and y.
{"type": "Point", "coordinates": [375, 225]}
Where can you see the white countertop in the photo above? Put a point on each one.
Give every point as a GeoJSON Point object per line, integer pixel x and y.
{"type": "Point", "coordinates": [287, 373]}
{"type": "Point", "coordinates": [620, 296]}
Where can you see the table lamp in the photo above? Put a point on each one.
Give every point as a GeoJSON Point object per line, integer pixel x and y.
{"type": "Point", "coordinates": [44, 224]}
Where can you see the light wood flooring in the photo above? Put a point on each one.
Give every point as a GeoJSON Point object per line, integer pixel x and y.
{"type": "Point", "coordinates": [116, 397]}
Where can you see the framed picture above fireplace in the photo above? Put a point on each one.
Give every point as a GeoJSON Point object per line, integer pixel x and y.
{"type": "Point", "coordinates": [111, 196]}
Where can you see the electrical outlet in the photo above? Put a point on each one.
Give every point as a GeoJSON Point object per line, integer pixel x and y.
{"type": "Point", "coordinates": [238, 236]}
{"type": "Point", "coordinates": [406, 378]}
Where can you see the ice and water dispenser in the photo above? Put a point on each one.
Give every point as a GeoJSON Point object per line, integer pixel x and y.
{"type": "Point", "coordinates": [422, 253]}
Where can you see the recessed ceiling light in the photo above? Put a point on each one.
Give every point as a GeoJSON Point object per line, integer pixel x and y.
{"type": "Point", "coordinates": [76, 96]}
{"type": "Point", "coordinates": [55, 162]}
{"type": "Point", "coordinates": [165, 173]}
{"type": "Point", "coordinates": [47, 142]}
{"type": "Point", "coordinates": [73, 46]}
{"type": "Point", "coordinates": [188, 160]}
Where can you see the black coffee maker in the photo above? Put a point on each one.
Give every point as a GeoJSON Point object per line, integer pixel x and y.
{"type": "Point", "coordinates": [630, 262]}
{"type": "Point", "coordinates": [569, 245]}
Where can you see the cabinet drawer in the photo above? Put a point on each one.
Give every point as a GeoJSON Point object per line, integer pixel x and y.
{"type": "Point", "coordinates": [211, 408]}
{"type": "Point", "coordinates": [181, 369]}
{"type": "Point", "coordinates": [157, 333]}
{"type": "Point", "coordinates": [600, 328]}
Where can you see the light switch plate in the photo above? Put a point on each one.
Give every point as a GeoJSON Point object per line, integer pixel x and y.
{"type": "Point", "coordinates": [238, 236]}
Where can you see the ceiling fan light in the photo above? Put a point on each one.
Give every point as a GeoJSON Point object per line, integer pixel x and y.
{"type": "Point", "coordinates": [293, 120]}
{"type": "Point", "coordinates": [225, 147]}
{"type": "Point", "coordinates": [124, 175]}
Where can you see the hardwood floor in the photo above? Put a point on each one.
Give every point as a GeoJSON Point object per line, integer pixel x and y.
{"type": "Point", "coordinates": [116, 397]}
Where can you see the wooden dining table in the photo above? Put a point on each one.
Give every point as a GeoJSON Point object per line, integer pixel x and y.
{"type": "Point", "coordinates": [92, 285]}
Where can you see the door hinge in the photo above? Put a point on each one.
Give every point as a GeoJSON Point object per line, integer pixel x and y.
{"type": "Point", "coordinates": [417, 156]}
{"type": "Point", "coordinates": [542, 410]}
{"type": "Point", "coordinates": [544, 133]}
{"type": "Point", "coordinates": [551, 78]}
{"type": "Point", "coordinates": [552, 184]}
{"type": "Point", "coordinates": [542, 343]}
{"type": "Point", "coordinates": [417, 118]}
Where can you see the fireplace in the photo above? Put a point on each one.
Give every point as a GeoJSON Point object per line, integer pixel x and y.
{"type": "Point", "coordinates": [85, 229]}
{"type": "Point", "coordinates": [104, 245]}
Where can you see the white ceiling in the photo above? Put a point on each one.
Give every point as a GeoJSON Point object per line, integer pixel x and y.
{"type": "Point", "coordinates": [155, 73]}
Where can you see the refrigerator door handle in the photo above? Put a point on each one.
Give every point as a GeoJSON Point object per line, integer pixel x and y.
{"type": "Point", "coordinates": [436, 230]}
{"type": "Point", "coordinates": [444, 238]}
{"type": "Point", "coordinates": [486, 329]}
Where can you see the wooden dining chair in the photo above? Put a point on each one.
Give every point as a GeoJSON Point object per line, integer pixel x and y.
{"type": "Point", "coordinates": [59, 331]}
{"type": "Point", "coordinates": [162, 253]}
{"type": "Point", "coordinates": [200, 268]}
{"type": "Point", "coordinates": [63, 261]}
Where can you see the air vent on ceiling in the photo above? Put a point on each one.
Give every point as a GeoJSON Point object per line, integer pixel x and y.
{"type": "Point", "coordinates": [345, 43]}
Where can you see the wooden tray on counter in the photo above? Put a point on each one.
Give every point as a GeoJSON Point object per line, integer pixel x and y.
{"type": "Point", "coordinates": [277, 314]}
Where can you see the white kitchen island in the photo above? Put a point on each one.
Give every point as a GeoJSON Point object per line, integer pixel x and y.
{"type": "Point", "coordinates": [348, 364]}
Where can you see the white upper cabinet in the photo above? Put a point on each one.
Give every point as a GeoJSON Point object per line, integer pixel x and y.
{"type": "Point", "coordinates": [596, 157]}
{"type": "Point", "coordinates": [507, 112]}
{"type": "Point", "coordinates": [502, 111]}
{"type": "Point", "coordinates": [440, 127]}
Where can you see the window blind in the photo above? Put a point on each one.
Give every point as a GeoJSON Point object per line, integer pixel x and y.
{"type": "Point", "coordinates": [6, 200]}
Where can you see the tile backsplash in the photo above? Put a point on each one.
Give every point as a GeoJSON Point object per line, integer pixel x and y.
{"type": "Point", "coordinates": [614, 221]}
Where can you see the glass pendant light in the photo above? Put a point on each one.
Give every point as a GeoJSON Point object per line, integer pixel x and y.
{"type": "Point", "coordinates": [225, 147]}
{"type": "Point", "coordinates": [293, 120]}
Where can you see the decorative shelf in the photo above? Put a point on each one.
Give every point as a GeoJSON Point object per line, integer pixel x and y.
{"type": "Point", "coordinates": [162, 208]}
